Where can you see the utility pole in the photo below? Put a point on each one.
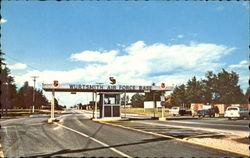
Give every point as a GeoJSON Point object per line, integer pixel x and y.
{"type": "Point", "coordinates": [34, 79]}
{"type": "Point", "coordinates": [7, 97]}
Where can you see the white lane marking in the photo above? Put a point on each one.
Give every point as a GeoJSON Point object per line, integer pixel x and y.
{"type": "Point", "coordinates": [33, 124]}
{"type": "Point", "coordinates": [7, 132]}
{"type": "Point", "coordinates": [204, 123]}
{"type": "Point", "coordinates": [240, 133]}
{"type": "Point", "coordinates": [8, 126]}
{"type": "Point", "coordinates": [104, 144]}
{"type": "Point", "coordinates": [9, 120]}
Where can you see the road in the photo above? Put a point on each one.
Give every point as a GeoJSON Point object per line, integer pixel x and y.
{"type": "Point", "coordinates": [77, 136]}
{"type": "Point", "coordinates": [214, 123]}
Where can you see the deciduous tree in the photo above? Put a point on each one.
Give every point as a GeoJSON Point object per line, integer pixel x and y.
{"type": "Point", "coordinates": [137, 100]}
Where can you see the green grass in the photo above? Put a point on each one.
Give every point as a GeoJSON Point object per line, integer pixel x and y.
{"type": "Point", "coordinates": [141, 111]}
{"type": "Point", "coordinates": [21, 111]}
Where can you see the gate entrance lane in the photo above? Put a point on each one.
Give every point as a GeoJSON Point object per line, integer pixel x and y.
{"type": "Point", "coordinates": [109, 102]}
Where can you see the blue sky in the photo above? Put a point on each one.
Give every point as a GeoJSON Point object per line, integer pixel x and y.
{"type": "Point", "coordinates": [137, 42]}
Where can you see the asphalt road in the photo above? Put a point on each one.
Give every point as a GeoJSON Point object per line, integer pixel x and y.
{"type": "Point", "coordinates": [77, 136]}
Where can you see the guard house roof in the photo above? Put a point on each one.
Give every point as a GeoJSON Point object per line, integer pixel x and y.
{"type": "Point", "coordinates": [103, 88]}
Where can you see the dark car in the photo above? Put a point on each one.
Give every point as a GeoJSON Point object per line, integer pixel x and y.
{"type": "Point", "coordinates": [208, 111]}
{"type": "Point", "coordinates": [179, 111]}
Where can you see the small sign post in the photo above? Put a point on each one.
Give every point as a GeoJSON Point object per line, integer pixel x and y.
{"type": "Point", "coordinates": [162, 107]}
{"type": "Point", "coordinates": [52, 116]}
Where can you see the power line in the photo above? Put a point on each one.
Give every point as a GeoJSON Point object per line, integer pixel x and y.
{"type": "Point", "coordinates": [32, 67]}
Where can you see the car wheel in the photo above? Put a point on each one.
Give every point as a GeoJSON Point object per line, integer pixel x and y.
{"type": "Point", "coordinates": [229, 118]}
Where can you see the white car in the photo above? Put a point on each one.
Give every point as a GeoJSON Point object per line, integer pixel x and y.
{"type": "Point", "coordinates": [177, 111]}
{"type": "Point", "coordinates": [236, 112]}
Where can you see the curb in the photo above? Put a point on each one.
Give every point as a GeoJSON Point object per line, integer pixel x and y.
{"type": "Point", "coordinates": [109, 120]}
{"type": "Point", "coordinates": [193, 118]}
{"type": "Point", "coordinates": [1, 152]}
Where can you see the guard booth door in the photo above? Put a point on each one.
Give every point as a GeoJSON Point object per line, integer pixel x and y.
{"type": "Point", "coordinates": [110, 105]}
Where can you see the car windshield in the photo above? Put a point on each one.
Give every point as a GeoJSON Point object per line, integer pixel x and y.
{"type": "Point", "coordinates": [230, 109]}
{"type": "Point", "coordinates": [243, 109]}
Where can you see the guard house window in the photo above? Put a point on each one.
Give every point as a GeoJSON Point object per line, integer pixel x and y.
{"type": "Point", "coordinates": [110, 105]}
{"type": "Point", "coordinates": [111, 99]}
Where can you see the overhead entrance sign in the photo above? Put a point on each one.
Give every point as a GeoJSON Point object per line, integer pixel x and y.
{"type": "Point", "coordinates": [103, 88]}
{"type": "Point", "coordinates": [110, 92]}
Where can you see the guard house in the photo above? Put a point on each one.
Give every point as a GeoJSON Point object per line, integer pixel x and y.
{"type": "Point", "coordinates": [110, 105]}
{"type": "Point", "coordinates": [109, 95]}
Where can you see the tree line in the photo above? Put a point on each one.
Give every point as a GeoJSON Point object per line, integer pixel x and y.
{"type": "Point", "coordinates": [13, 97]}
{"type": "Point", "coordinates": [221, 88]}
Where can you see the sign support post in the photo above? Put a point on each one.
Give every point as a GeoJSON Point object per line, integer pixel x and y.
{"type": "Point", "coordinates": [125, 100]}
{"type": "Point", "coordinates": [162, 108]}
{"type": "Point", "coordinates": [162, 112]}
{"type": "Point", "coordinates": [93, 109]}
{"type": "Point", "coordinates": [95, 105]}
{"type": "Point", "coordinates": [52, 115]}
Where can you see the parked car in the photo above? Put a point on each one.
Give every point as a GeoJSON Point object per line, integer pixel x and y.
{"type": "Point", "coordinates": [236, 112]}
{"type": "Point", "coordinates": [179, 111]}
{"type": "Point", "coordinates": [204, 112]}
{"type": "Point", "coordinates": [207, 110]}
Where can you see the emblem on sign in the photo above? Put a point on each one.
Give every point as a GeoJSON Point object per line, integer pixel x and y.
{"type": "Point", "coordinates": [55, 84]}
{"type": "Point", "coordinates": [163, 86]}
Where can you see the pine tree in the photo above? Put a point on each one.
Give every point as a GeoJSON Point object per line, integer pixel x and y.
{"type": "Point", "coordinates": [180, 96]}
{"type": "Point", "coordinates": [8, 88]}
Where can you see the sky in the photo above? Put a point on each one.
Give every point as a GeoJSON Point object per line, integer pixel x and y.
{"type": "Point", "coordinates": [137, 42]}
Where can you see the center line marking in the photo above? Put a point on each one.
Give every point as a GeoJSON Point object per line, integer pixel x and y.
{"type": "Point", "coordinates": [104, 144]}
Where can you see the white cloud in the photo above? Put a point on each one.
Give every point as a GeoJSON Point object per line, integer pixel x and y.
{"type": "Point", "coordinates": [94, 56]}
{"type": "Point", "coordinates": [220, 8]}
{"type": "Point", "coordinates": [121, 45]}
{"type": "Point", "coordinates": [242, 70]}
{"type": "Point", "coordinates": [18, 66]}
{"type": "Point", "coordinates": [177, 37]}
{"type": "Point", "coordinates": [180, 36]}
{"type": "Point", "coordinates": [3, 20]}
{"type": "Point", "coordinates": [140, 64]}
{"type": "Point", "coordinates": [242, 64]}
{"type": "Point", "coordinates": [245, 4]}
